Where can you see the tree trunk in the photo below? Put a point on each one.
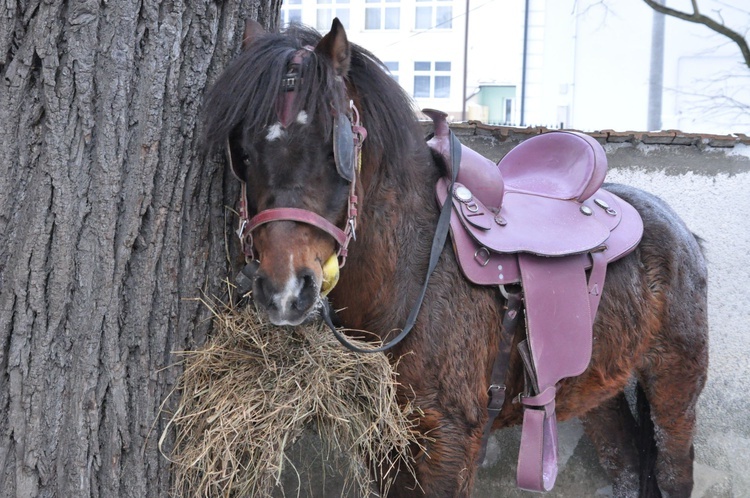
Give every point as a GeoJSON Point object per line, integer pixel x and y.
{"type": "Point", "coordinates": [111, 222]}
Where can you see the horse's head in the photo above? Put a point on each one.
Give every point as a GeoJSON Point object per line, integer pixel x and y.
{"type": "Point", "coordinates": [294, 148]}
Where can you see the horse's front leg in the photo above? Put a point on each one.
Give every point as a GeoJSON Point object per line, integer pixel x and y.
{"type": "Point", "coordinates": [444, 374]}
{"type": "Point", "coordinates": [446, 464]}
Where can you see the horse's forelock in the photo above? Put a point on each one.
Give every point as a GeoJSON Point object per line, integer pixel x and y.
{"type": "Point", "coordinates": [248, 91]}
{"type": "Point", "coordinates": [245, 96]}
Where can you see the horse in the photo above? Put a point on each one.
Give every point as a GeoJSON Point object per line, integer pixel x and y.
{"type": "Point", "coordinates": [279, 107]}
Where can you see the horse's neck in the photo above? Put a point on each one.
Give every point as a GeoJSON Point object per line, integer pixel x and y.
{"type": "Point", "coordinates": [388, 261]}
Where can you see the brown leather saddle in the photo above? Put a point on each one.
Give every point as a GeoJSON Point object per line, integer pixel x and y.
{"type": "Point", "coordinates": [539, 218]}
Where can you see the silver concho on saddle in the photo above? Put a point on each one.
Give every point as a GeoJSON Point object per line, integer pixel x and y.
{"type": "Point", "coordinates": [540, 219]}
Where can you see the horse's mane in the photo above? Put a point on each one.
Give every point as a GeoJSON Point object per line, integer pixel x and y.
{"type": "Point", "coordinates": [247, 92]}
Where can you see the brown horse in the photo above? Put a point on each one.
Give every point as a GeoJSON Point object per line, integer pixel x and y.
{"type": "Point", "coordinates": [278, 107]}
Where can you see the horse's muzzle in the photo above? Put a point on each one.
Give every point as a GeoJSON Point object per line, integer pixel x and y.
{"type": "Point", "coordinates": [290, 302]}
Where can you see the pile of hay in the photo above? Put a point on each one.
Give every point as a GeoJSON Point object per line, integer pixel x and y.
{"type": "Point", "coordinates": [250, 392]}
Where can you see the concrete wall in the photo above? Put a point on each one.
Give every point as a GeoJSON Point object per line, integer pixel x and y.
{"type": "Point", "coordinates": [706, 179]}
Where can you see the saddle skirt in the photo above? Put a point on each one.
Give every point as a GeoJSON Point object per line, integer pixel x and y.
{"type": "Point", "coordinates": [540, 218]}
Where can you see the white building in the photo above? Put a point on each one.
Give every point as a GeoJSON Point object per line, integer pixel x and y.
{"type": "Point", "coordinates": [583, 64]}
{"type": "Point", "coordinates": [420, 41]}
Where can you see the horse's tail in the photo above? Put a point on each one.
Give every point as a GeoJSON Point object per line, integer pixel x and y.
{"type": "Point", "coordinates": [646, 445]}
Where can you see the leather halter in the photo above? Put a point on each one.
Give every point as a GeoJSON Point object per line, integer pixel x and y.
{"type": "Point", "coordinates": [341, 236]}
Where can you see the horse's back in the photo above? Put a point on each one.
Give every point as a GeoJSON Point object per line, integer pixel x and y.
{"type": "Point", "coordinates": [661, 222]}
{"type": "Point", "coordinates": [669, 256]}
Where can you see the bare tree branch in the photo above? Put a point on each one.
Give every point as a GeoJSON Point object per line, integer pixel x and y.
{"type": "Point", "coordinates": [699, 18]}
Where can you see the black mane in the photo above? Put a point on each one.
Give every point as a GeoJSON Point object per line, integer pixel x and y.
{"type": "Point", "coordinates": [246, 93]}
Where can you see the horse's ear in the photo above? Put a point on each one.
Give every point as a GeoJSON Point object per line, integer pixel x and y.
{"type": "Point", "coordinates": [253, 30]}
{"type": "Point", "coordinates": [335, 46]}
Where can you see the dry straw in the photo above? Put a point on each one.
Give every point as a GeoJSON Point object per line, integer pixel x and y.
{"type": "Point", "coordinates": [254, 388]}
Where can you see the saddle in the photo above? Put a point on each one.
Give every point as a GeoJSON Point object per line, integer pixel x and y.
{"type": "Point", "coordinates": [539, 219]}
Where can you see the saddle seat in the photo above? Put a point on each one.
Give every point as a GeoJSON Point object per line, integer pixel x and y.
{"type": "Point", "coordinates": [539, 218]}
{"type": "Point", "coordinates": [536, 193]}
{"type": "Point", "coordinates": [561, 165]}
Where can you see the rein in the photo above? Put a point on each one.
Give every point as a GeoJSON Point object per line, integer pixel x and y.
{"type": "Point", "coordinates": [438, 242]}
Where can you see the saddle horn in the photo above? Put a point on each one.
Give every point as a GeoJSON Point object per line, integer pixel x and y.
{"type": "Point", "coordinates": [476, 170]}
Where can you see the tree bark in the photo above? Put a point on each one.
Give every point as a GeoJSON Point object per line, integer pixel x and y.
{"type": "Point", "coordinates": [111, 221]}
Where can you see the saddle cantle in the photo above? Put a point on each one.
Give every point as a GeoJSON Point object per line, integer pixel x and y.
{"type": "Point", "coordinates": [539, 218]}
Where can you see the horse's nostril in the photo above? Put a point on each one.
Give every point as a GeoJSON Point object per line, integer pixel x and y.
{"type": "Point", "coordinates": [307, 292]}
{"type": "Point", "coordinates": [307, 278]}
{"type": "Point", "coordinates": [263, 292]}
{"type": "Point", "coordinates": [286, 300]}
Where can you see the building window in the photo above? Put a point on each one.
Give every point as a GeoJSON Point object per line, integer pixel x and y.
{"type": "Point", "coordinates": [328, 9]}
{"type": "Point", "coordinates": [392, 68]}
{"type": "Point", "coordinates": [382, 14]}
{"type": "Point", "coordinates": [291, 11]}
{"type": "Point", "coordinates": [432, 79]}
{"type": "Point", "coordinates": [508, 115]}
{"type": "Point", "coordinates": [434, 14]}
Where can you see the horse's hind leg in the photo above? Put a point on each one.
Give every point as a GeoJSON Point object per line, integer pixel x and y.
{"type": "Point", "coordinates": [672, 394]}
{"type": "Point", "coordinates": [612, 429]}
{"type": "Point", "coordinates": [673, 318]}
{"type": "Point", "coordinates": [672, 376]}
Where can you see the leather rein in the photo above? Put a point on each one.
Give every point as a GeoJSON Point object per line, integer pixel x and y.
{"type": "Point", "coordinates": [438, 242]}
{"type": "Point", "coordinates": [343, 236]}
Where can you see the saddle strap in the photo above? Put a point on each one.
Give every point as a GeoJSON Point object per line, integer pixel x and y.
{"type": "Point", "coordinates": [596, 280]}
{"type": "Point", "coordinates": [558, 316]}
{"type": "Point", "coordinates": [496, 391]}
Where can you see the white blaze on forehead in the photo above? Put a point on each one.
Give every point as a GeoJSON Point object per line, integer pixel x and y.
{"type": "Point", "coordinates": [302, 118]}
{"type": "Point", "coordinates": [274, 131]}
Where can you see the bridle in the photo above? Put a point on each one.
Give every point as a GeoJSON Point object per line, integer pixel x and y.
{"type": "Point", "coordinates": [348, 136]}
{"type": "Point", "coordinates": [341, 236]}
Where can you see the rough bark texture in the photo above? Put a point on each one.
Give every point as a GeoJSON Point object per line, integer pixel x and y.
{"type": "Point", "coordinates": [110, 222]}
